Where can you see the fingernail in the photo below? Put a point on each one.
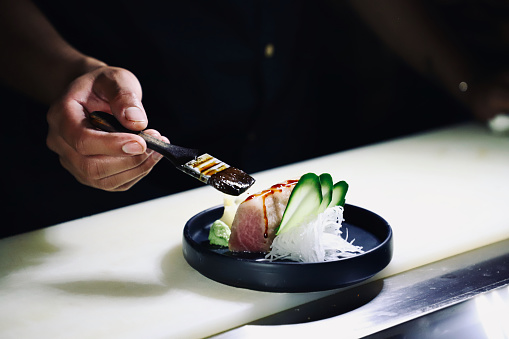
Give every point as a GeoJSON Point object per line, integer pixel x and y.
{"type": "Point", "coordinates": [134, 114]}
{"type": "Point", "coordinates": [132, 147]}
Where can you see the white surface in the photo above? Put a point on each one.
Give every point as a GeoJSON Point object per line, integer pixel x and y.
{"type": "Point", "coordinates": [121, 274]}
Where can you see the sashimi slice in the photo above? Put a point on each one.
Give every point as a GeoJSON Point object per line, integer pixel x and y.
{"type": "Point", "coordinates": [258, 217]}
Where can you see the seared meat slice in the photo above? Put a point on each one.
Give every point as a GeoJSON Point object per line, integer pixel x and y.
{"type": "Point", "coordinates": [258, 217]}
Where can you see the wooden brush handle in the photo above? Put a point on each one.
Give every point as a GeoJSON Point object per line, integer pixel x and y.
{"type": "Point", "coordinates": [178, 155]}
{"type": "Point", "coordinates": [107, 122]}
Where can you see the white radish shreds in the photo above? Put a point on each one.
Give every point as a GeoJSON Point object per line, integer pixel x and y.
{"type": "Point", "coordinates": [318, 240]}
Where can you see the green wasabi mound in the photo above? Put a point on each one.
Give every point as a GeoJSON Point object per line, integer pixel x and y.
{"type": "Point", "coordinates": [219, 233]}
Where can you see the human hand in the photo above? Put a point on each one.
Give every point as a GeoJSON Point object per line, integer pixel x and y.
{"type": "Point", "coordinates": [108, 161]}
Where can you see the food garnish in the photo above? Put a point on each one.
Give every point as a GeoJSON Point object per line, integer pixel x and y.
{"type": "Point", "coordinates": [219, 233]}
{"type": "Point", "coordinates": [295, 220]}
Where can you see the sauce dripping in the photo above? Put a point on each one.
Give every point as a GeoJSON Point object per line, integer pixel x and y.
{"type": "Point", "coordinates": [277, 188]}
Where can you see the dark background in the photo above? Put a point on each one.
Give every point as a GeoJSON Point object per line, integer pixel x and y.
{"type": "Point", "coordinates": [331, 85]}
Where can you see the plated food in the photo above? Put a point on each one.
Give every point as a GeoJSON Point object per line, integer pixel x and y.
{"type": "Point", "coordinates": [254, 271]}
{"type": "Point", "coordinates": [298, 220]}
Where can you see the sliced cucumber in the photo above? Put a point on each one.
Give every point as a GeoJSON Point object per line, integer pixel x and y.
{"type": "Point", "coordinates": [311, 196]}
{"type": "Point", "coordinates": [327, 185]}
{"type": "Point", "coordinates": [304, 202]}
{"type": "Point", "coordinates": [339, 193]}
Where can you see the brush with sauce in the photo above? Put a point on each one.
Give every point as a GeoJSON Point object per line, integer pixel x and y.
{"type": "Point", "coordinates": [199, 165]}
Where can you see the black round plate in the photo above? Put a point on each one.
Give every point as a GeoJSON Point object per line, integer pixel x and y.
{"type": "Point", "coordinates": [254, 272]}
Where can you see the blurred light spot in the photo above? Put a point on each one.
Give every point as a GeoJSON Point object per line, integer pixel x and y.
{"type": "Point", "coordinates": [269, 50]}
{"type": "Point", "coordinates": [499, 124]}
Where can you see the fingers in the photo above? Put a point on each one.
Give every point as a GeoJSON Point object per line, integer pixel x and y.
{"type": "Point", "coordinates": [122, 91]}
{"type": "Point", "coordinates": [69, 122]}
{"type": "Point", "coordinates": [107, 172]}
{"type": "Point", "coordinates": [108, 161]}
{"type": "Point", "coordinates": [107, 89]}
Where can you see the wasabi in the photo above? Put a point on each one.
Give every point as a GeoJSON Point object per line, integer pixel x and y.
{"type": "Point", "coordinates": [219, 233]}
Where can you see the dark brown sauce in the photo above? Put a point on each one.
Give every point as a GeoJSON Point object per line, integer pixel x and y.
{"type": "Point", "coordinates": [265, 193]}
{"type": "Point", "coordinates": [266, 233]}
{"type": "Point", "coordinates": [204, 163]}
{"type": "Point", "coordinates": [209, 165]}
{"type": "Point", "coordinates": [202, 159]}
{"type": "Point", "coordinates": [213, 171]}
{"type": "Point", "coordinates": [231, 181]}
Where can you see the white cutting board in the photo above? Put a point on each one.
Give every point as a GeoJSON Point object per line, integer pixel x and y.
{"type": "Point", "coordinates": [121, 274]}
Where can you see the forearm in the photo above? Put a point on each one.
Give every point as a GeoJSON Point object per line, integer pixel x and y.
{"type": "Point", "coordinates": [35, 59]}
{"type": "Point", "coordinates": [409, 29]}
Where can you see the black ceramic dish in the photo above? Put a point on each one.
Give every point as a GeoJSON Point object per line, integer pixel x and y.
{"type": "Point", "coordinates": [254, 272]}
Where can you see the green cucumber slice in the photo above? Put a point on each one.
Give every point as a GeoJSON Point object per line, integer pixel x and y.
{"type": "Point", "coordinates": [327, 185]}
{"type": "Point", "coordinates": [339, 193]}
{"type": "Point", "coordinates": [304, 201]}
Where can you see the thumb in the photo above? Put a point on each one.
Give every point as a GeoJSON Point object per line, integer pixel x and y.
{"type": "Point", "coordinates": [122, 90]}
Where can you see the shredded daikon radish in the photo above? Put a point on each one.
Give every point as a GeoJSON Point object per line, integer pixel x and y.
{"type": "Point", "coordinates": [316, 240]}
